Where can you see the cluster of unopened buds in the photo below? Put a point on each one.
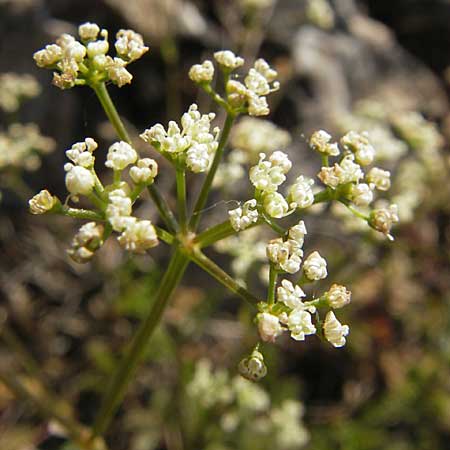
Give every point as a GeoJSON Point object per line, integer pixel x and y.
{"type": "Point", "coordinates": [195, 145]}
{"type": "Point", "coordinates": [114, 202]}
{"type": "Point", "coordinates": [87, 61]}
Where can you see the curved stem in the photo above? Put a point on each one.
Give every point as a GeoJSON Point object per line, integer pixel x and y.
{"type": "Point", "coordinates": [117, 387]}
{"type": "Point", "coordinates": [203, 196]}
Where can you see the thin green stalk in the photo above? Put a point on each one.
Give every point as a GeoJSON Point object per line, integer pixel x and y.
{"type": "Point", "coordinates": [81, 214]}
{"type": "Point", "coordinates": [181, 196]}
{"type": "Point", "coordinates": [111, 111]}
{"type": "Point", "coordinates": [113, 116]}
{"type": "Point", "coordinates": [273, 274]}
{"type": "Point", "coordinates": [164, 210]}
{"type": "Point", "coordinates": [275, 227]}
{"type": "Point", "coordinates": [199, 258]}
{"type": "Point", "coordinates": [165, 236]}
{"type": "Point", "coordinates": [203, 196]}
{"type": "Point", "coordinates": [117, 387]}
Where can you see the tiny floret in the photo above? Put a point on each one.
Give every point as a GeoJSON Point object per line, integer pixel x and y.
{"type": "Point", "coordinates": [129, 45]}
{"type": "Point", "coordinates": [383, 219]}
{"type": "Point", "coordinates": [297, 233]}
{"type": "Point", "coordinates": [286, 255]}
{"type": "Point", "coordinates": [88, 31]}
{"type": "Point", "coordinates": [202, 73]}
{"type": "Point", "coordinates": [290, 295]}
{"type": "Point", "coordinates": [359, 145]}
{"type": "Point", "coordinates": [42, 202]}
{"type": "Point", "coordinates": [120, 155]}
{"type": "Point", "coordinates": [320, 141]}
{"type": "Point", "coordinates": [361, 194]}
{"type": "Point", "coordinates": [228, 59]}
{"type": "Point", "coordinates": [79, 180]}
{"type": "Point", "coordinates": [300, 324]}
{"type": "Point", "coordinates": [242, 217]}
{"type": "Point", "coordinates": [269, 327]}
{"type": "Point", "coordinates": [88, 239]}
{"type": "Point", "coordinates": [315, 267]}
{"type": "Point", "coordinates": [275, 205]}
{"type": "Point", "coordinates": [145, 171]}
{"type": "Point", "coordinates": [334, 331]}
{"type": "Point", "coordinates": [379, 179]}
{"type": "Point", "coordinates": [300, 193]}
{"type": "Point", "coordinates": [138, 236]}
{"type": "Point", "coordinates": [338, 296]}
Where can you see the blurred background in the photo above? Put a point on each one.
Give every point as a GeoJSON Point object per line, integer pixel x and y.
{"type": "Point", "coordinates": [374, 65]}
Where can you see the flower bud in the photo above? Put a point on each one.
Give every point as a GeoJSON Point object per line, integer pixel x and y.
{"type": "Point", "coordinates": [253, 367]}
{"type": "Point", "coordinates": [42, 202]}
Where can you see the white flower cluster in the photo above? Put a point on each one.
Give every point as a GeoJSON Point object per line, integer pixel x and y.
{"type": "Point", "coordinates": [243, 216]}
{"type": "Point", "coordinates": [287, 255]}
{"type": "Point", "coordinates": [15, 89]}
{"type": "Point", "coordinates": [347, 176]}
{"type": "Point", "coordinates": [193, 144]}
{"type": "Point", "coordinates": [290, 312]}
{"type": "Point", "coordinates": [249, 95]}
{"type": "Point", "coordinates": [137, 235]}
{"type": "Point", "coordinates": [78, 62]}
{"type": "Point", "coordinates": [266, 177]}
{"type": "Point", "coordinates": [85, 243]}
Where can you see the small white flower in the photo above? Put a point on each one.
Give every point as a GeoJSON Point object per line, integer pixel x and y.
{"type": "Point", "coordinates": [315, 267]}
{"type": "Point", "coordinates": [334, 331]}
{"type": "Point", "coordinates": [383, 219]}
{"type": "Point", "coordinates": [42, 202]}
{"type": "Point", "coordinates": [138, 236]}
{"type": "Point", "coordinates": [202, 73]}
{"type": "Point", "coordinates": [361, 194]}
{"type": "Point", "coordinates": [257, 106]}
{"type": "Point", "coordinates": [300, 324]}
{"type": "Point", "coordinates": [269, 327]}
{"type": "Point", "coordinates": [120, 155]}
{"type": "Point", "coordinates": [119, 209]}
{"type": "Point", "coordinates": [96, 48]}
{"type": "Point", "coordinates": [242, 217]}
{"type": "Point", "coordinates": [290, 295]}
{"type": "Point", "coordinates": [117, 72]}
{"type": "Point", "coordinates": [228, 59]}
{"type": "Point", "coordinates": [338, 296]}
{"type": "Point", "coordinates": [198, 158]}
{"type": "Point", "coordinates": [79, 180]}
{"type": "Point", "coordinates": [88, 31]}
{"type": "Point", "coordinates": [48, 56]}
{"type": "Point", "coordinates": [281, 159]}
{"type": "Point", "coordinates": [320, 142]}
{"type": "Point", "coordinates": [301, 193]}
{"type": "Point", "coordinates": [286, 256]}
{"type": "Point", "coordinates": [297, 233]}
{"type": "Point", "coordinates": [84, 244]}
{"type": "Point", "coordinates": [359, 144]}
{"type": "Point", "coordinates": [145, 171]}
{"type": "Point", "coordinates": [275, 205]}
{"type": "Point", "coordinates": [379, 179]}
{"type": "Point", "coordinates": [129, 45]}
{"type": "Point", "coordinates": [265, 176]}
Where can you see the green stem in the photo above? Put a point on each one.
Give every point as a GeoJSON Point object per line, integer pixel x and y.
{"type": "Point", "coordinates": [203, 196]}
{"type": "Point", "coordinates": [275, 227]}
{"type": "Point", "coordinates": [165, 236]}
{"type": "Point", "coordinates": [117, 387]}
{"type": "Point", "coordinates": [199, 258]}
{"type": "Point", "coordinates": [273, 274]}
{"type": "Point", "coordinates": [181, 196]}
{"type": "Point", "coordinates": [111, 111]}
{"type": "Point", "coordinates": [354, 211]}
{"type": "Point", "coordinates": [113, 116]}
{"type": "Point", "coordinates": [163, 208]}
{"type": "Point", "coordinates": [81, 214]}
